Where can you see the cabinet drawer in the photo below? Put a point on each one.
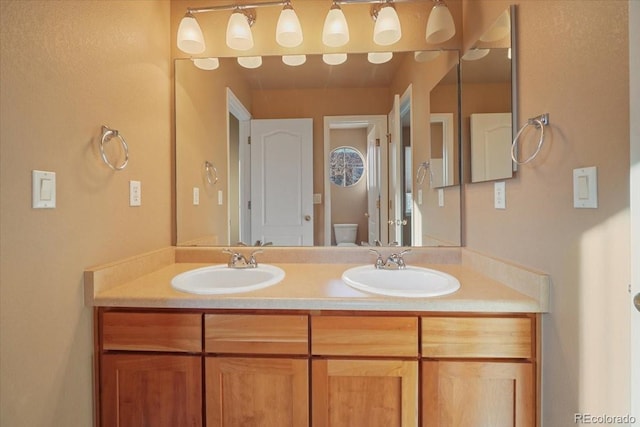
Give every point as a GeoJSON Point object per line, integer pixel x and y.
{"type": "Point", "coordinates": [181, 332]}
{"type": "Point", "coordinates": [364, 336]}
{"type": "Point", "coordinates": [507, 337]}
{"type": "Point", "coordinates": [253, 334]}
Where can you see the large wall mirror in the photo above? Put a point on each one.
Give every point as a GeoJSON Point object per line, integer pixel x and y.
{"type": "Point", "coordinates": [489, 116]}
{"type": "Point", "coordinates": [355, 104]}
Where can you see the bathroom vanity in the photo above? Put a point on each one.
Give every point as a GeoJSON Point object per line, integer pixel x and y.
{"type": "Point", "coordinates": [313, 351]}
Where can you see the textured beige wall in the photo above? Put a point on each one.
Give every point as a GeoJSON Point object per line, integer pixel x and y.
{"type": "Point", "coordinates": [574, 65]}
{"type": "Point", "coordinates": [67, 67]}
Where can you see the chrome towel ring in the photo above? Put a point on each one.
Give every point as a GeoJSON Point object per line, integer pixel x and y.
{"type": "Point", "coordinates": [539, 122]}
{"type": "Point", "coordinates": [210, 172]}
{"type": "Point", "coordinates": [422, 172]}
{"type": "Point", "coordinates": [107, 135]}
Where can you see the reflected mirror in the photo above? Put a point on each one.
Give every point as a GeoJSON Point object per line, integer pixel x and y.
{"type": "Point", "coordinates": [215, 113]}
{"type": "Point", "coordinates": [488, 107]}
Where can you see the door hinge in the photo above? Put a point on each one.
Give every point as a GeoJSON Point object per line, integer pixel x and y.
{"type": "Point", "coordinates": [388, 138]}
{"type": "Point", "coordinates": [249, 140]}
{"type": "Point", "coordinates": [378, 204]}
{"type": "Point", "coordinates": [390, 205]}
{"type": "Point", "coordinates": [249, 204]}
{"type": "Point", "coordinates": [377, 142]}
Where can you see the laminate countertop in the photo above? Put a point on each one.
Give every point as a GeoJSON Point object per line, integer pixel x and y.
{"type": "Point", "coordinates": [145, 282]}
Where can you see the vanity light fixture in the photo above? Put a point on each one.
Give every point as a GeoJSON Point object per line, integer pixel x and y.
{"type": "Point", "coordinates": [426, 55]}
{"type": "Point", "coordinates": [207, 64]}
{"type": "Point", "coordinates": [334, 58]}
{"type": "Point", "coordinates": [440, 25]}
{"type": "Point", "coordinates": [335, 32]}
{"type": "Point", "coordinates": [250, 61]}
{"type": "Point", "coordinates": [475, 54]}
{"type": "Point", "coordinates": [499, 30]}
{"type": "Point", "coordinates": [239, 36]}
{"type": "Point", "coordinates": [294, 60]}
{"type": "Point", "coordinates": [190, 38]}
{"type": "Point", "coordinates": [288, 29]}
{"type": "Point", "coordinates": [379, 57]}
{"type": "Point", "coordinates": [387, 29]}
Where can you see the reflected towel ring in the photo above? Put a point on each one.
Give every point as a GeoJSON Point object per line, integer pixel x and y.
{"type": "Point", "coordinates": [539, 122]}
{"type": "Point", "coordinates": [107, 135]}
{"type": "Point", "coordinates": [210, 172]}
{"type": "Point", "coordinates": [422, 172]}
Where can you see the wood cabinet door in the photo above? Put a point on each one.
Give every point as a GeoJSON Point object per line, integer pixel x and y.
{"type": "Point", "coordinates": [477, 394]}
{"type": "Point", "coordinates": [151, 390]}
{"type": "Point", "coordinates": [372, 393]}
{"type": "Point", "coordinates": [257, 392]}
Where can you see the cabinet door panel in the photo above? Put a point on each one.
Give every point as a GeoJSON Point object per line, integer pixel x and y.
{"type": "Point", "coordinates": [151, 390]}
{"type": "Point", "coordinates": [372, 393]}
{"type": "Point", "coordinates": [257, 392]}
{"type": "Point", "coordinates": [468, 394]}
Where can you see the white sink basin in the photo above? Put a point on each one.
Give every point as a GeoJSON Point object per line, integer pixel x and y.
{"type": "Point", "coordinates": [414, 282]}
{"type": "Point", "coordinates": [221, 279]}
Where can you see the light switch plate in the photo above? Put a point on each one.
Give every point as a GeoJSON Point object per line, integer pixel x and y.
{"type": "Point", "coordinates": [585, 187]}
{"type": "Point", "coordinates": [441, 197]}
{"type": "Point", "coordinates": [43, 189]}
{"type": "Point", "coordinates": [317, 198]}
{"type": "Point", "coordinates": [135, 193]}
{"type": "Point", "coordinates": [196, 196]}
{"type": "Point", "coordinates": [500, 195]}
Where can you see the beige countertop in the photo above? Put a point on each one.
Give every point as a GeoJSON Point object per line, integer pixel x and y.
{"type": "Point", "coordinates": [145, 282]}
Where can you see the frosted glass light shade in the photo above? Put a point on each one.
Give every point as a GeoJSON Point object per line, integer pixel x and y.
{"type": "Point", "coordinates": [288, 29]}
{"type": "Point", "coordinates": [379, 57]}
{"type": "Point", "coordinates": [499, 30]}
{"type": "Point", "coordinates": [206, 63]}
{"type": "Point", "coordinates": [334, 58]}
{"type": "Point", "coordinates": [190, 38]}
{"type": "Point", "coordinates": [250, 61]}
{"type": "Point", "coordinates": [239, 36]}
{"type": "Point", "coordinates": [475, 54]}
{"type": "Point", "coordinates": [426, 55]}
{"type": "Point", "coordinates": [440, 25]}
{"type": "Point", "coordinates": [294, 60]}
{"type": "Point", "coordinates": [387, 29]}
{"type": "Point", "coordinates": [335, 32]}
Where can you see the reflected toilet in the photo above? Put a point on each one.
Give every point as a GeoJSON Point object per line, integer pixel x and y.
{"type": "Point", "coordinates": [345, 234]}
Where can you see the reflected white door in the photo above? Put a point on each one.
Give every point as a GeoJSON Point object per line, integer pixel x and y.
{"type": "Point", "coordinates": [395, 174]}
{"type": "Point", "coordinates": [373, 185]}
{"type": "Point", "coordinates": [491, 146]}
{"type": "Point", "coordinates": [282, 181]}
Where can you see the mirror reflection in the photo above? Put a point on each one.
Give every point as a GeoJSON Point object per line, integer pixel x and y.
{"type": "Point", "coordinates": [276, 188]}
{"type": "Point", "coordinates": [487, 93]}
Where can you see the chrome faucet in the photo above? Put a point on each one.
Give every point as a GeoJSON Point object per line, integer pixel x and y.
{"type": "Point", "coordinates": [395, 261]}
{"type": "Point", "coordinates": [238, 260]}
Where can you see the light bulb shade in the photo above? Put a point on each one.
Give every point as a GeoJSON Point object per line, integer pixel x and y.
{"type": "Point", "coordinates": [379, 57]}
{"type": "Point", "coordinates": [288, 29]}
{"type": "Point", "coordinates": [426, 55]}
{"type": "Point", "coordinates": [475, 54]}
{"type": "Point", "coordinates": [190, 38]}
{"type": "Point", "coordinates": [335, 32]}
{"type": "Point", "coordinates": [294, 60]}
{"type": "Point", "coordinates": [440, 26]}
{"type": "Point", "coordinates": [387, 29]}
{"type": "Point", "coordinates": [334, 58]}
{"type": "Point", "coordinates": [206, 63]}
{"type": "Point", "coordinates": [239, 36]}
{"type": "Point", "coordinates": [250, 61]}
{"type": "Point", "coordinates": [499, 30]}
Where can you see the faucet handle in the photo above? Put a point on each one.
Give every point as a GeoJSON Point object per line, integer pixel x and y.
{"type": "Point", "coordinates": [379, 261]}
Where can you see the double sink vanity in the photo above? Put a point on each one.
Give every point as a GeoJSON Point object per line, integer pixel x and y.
{"type": "Point", "coordinates": [322, 343]}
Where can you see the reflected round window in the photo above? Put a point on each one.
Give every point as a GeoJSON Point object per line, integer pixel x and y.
{"type": "Point", "coordinates": [346, 166]}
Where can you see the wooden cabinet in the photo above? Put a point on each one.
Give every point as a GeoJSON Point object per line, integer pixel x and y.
{"type": "Point", "coordinates": [158, 385]}
{"type": "Point", "coordinates": [379, 385]}
{"type": "Point", "coordinates": [274, 369]}
{"type": "Point", "coordinates": [246, 389]}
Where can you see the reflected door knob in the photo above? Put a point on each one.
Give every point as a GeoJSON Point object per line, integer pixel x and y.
{"type": "Point", "coordinates": [307, 217]}
{"type": "Point", "coordinates": [636, 301]}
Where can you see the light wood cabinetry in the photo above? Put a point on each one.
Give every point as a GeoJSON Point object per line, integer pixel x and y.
{"type": "Point", "coordinates": [325, 369]}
